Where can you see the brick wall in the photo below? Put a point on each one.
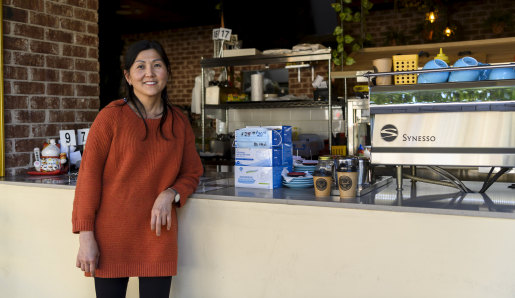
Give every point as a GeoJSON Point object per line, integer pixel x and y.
{"type": "Point", "coordinates": [50, 73]}
{"type": "Point", "coordinates": [469, 16]}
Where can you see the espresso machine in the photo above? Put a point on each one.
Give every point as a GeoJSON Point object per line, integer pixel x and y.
{"type": "Point", "coordinates": [454, 124]}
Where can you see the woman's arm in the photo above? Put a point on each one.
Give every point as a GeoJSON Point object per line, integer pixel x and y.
{"type": "Point", "coordinates": [89, 182]}
{"type": "Point", "coordinates": [191, 167]}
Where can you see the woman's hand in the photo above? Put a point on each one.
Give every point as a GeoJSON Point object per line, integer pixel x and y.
{"type": "Point", "coordinates": [87, 258]}
{"type": "Point", "coordinates": [161, 213]}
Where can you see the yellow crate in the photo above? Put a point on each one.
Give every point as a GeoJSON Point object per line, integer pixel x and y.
{"type": "Point", "coordinates": [339, 150]}
{"type": "Point", "coordinates": [402, 63]}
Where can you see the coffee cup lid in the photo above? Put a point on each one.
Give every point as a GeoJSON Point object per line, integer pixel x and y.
{"type": "Point", "coordinates": [322, 173]}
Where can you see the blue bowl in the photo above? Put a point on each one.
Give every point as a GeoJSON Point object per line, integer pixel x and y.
{"type": "Point", "coordinates": [434, 77]}
{"type": "Point", "coordinates": [484, 73]}
{"type": "Point", "coordinates": [502, 74]}
{"type": "Point", "coordinates": [465, 75]}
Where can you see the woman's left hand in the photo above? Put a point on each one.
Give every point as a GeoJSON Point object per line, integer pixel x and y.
{"type": "Point", "coordinates": [161, 213]}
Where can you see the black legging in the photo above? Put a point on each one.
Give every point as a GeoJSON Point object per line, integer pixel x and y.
{"type": "Point", "coordinates": [149, 287]}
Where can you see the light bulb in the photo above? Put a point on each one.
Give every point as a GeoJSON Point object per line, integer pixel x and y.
{"type": "Point", "coordinates": [432, 17]}
{"type": "Point", "coordinates": [447, 31]}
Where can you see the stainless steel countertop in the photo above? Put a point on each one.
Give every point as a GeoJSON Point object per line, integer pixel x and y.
{"type": "Point", "coordinates": [497, 202]}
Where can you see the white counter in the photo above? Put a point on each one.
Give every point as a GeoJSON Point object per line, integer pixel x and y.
{"type": "Point", "coordinates": [251, 248]}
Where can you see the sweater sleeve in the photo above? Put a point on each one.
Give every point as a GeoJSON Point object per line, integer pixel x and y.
{"type": "Point", "coordinates": [191, 167]}
{"type": "Point", "coordinates": [89, 183]}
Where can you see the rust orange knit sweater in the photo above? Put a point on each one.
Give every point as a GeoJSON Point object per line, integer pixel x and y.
{"type": "Point", "coordinates": [119, 179]}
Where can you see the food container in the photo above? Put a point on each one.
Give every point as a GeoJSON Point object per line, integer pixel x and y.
{"type": "Point", "coordinates": [324, 166]}
{"type": "Point", "coordinates": [403, 63]}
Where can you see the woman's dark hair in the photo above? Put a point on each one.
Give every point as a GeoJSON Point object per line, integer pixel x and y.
{"type": "Point", "coordinates": [130, 56]}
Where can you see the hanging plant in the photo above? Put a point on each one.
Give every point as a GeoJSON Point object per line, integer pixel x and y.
{"type": "Point", "coordinates": [346, 43]}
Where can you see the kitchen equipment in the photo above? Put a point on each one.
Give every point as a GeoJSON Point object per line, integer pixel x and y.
{"type": "Point", "coordinates": [363, 170]}
{"type": "Point", "coordinates": [308, 145]}
{"type": "Point", "coordinates": [402, 63]}
{"type": "Point", "coordinates": [447, 124]}
{"type": "Point", "coordinates": [219, 147]}
{"type": "Point", "coordinates": [358, 123]}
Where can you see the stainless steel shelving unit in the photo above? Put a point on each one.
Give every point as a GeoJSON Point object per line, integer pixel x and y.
{"type": "Point", "coordinates": [320, 55]}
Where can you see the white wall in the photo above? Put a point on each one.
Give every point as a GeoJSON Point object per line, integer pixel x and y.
{"type": "Point", "coordinates": [307, 120]}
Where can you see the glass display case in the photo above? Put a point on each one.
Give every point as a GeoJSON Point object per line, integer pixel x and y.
{"type": "Point", "coordinates": [456, 92]}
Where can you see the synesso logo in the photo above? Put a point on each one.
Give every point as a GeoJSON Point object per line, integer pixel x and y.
{"type": "Point", "coordinates": [389, 132]}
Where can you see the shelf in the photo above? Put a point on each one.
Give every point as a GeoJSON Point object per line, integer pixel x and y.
{"type": "Point", "coordinates": [272, 104]}
{"type": "Point", "coordinates": [443, 86]}
{"type": "Point", "coordinates": [303, 56]}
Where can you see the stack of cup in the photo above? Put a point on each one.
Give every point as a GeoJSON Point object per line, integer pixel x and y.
{"type": "Point", "coordinates": [347, 171]}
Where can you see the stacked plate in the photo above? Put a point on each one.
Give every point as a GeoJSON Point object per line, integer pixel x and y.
{"type": "Point", "coordinates": [303, 168]}
{"type": "Point", "coordinates": [299, 182]}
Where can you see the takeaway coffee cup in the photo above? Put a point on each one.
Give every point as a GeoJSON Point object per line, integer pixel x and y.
{"type": "Point", "coordinates": [347, 171]}
{"type": "Point", "coordinates": [347, 182]}
{"type": "Point", "coordinates": [323, 183]}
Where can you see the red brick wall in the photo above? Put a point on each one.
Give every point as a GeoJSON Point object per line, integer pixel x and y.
{"type": "Point", "coordinates": [50, 73]}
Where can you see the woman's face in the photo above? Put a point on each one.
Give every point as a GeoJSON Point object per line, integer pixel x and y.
{"type": "Point", "coordinates": [148, 75]}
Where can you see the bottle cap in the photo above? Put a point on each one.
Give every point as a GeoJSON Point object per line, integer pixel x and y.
{"type": "Point", "coordinates": [442, 56]}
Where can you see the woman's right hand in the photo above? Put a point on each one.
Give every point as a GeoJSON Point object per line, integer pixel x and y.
{"type": "Point", "coordinates": [87, 258]}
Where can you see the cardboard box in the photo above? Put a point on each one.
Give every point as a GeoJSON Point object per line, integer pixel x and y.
{"type": "Point", "coordinates": [257, 137]}
{"type": "Point", "coordinates": [258, 157]}
{"type": "Point", "coordinates": [286, 144]}
{"type": "Point", "coordinates": [241, 52]}
{"type": "Point", "coordinates": [258, 177]}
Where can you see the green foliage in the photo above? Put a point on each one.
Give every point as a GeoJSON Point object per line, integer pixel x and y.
{"type": "Point", "coordinates": [346, 43]}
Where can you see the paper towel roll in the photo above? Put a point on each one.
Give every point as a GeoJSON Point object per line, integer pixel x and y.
{"type": "Point", "coordinates": [256, 82]}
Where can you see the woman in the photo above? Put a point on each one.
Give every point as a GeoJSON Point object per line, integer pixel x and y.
{"type": "Point", "coordinates": [139, 164]}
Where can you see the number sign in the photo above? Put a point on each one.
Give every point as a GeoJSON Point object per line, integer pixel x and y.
{"type": "Point", "coordinates": [68, 137]}
{"type": "Point", "coordinates": [222, 33]}
{"type": "Point", "coordinates": [82, 135]}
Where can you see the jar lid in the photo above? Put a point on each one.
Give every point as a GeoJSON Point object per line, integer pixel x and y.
{"type": "Point", "coordinates": [325, 157]}
{"type": "Point", "coordinates": [348, 164]}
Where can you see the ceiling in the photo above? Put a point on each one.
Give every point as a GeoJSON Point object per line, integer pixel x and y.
{"type": "Point", "coordinates": [152, 15]}
{"type": "Point", "coordinates": [260, 24]}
